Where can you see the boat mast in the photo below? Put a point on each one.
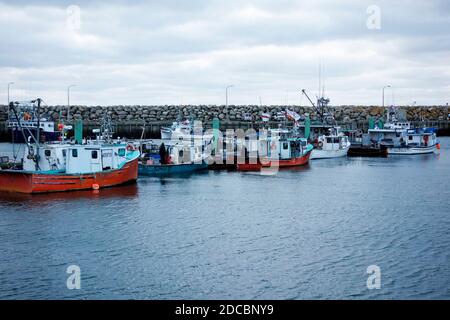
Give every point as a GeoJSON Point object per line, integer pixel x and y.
{"type": "Point", "coordinates": [38, 131]}
{"type": "Point", "coordinates": [19, 124]}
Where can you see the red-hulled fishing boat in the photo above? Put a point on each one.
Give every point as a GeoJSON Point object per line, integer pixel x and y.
{"type": "Point", "coordinates": [53, 167]}
{"type": "Point", "coordinates": [285, 152]}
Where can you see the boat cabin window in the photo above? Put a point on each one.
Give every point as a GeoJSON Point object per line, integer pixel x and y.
{"type": "Point", "coordinates": [74, 153]}
{"type": "Point", "coordinates": [410, 137]}
{"type": "Point", "coordinates": [285, 145]}
{"type": "Point", "coordinates": [329, 140]}
{"type": "Point", "coordinates": [47, 153]}
{"type": "Point", "coordinates": [94, 154]}
{"type": "Point", "coordinates": [180, 153]}
{"type": "Point", "coordinates": [64, 153]}
{"type": "Point", "coordinates": [122, 152]}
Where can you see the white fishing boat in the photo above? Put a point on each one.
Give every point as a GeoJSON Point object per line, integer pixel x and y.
{"type": "Point", "coordinates": [180, 128]}
{"type": "Point", "coordinates": [401, 139]}
{"type": "Point", "coordinates": [184, 131]}
{"type": "Point", "coordinates": [416, 142]}
{"type": "Point", "coordinates": [334, 145]}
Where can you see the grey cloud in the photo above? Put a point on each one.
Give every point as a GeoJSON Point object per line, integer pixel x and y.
{"type": "Point", "coordinates": [162, 51]}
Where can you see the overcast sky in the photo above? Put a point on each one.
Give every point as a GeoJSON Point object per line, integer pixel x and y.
{"type": "Point", "coordinates": [179, 51]}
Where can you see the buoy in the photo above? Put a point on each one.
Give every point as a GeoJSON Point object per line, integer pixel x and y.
{"type": "Point", "coordinates": [95, 186]}
{"type": "Point", "coordinates": [438, 146]}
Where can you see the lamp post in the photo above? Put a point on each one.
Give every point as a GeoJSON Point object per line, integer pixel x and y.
{"type": "Point", "coordinates": [388, 86]}
{"type": "Point", "coordinates": [9, 85]}
{"type": "Point", "coordinates": [226, 99]}
{"type": "Point", "coordinates": [68, 101]}
{"type": "Point", "coordinates": [226, 93]}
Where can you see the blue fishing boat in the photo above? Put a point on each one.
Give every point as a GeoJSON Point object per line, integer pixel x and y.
{"type": "Point", "coordinates": [164, 160]}
{"type": "Point", "coordinates": [170, 169]}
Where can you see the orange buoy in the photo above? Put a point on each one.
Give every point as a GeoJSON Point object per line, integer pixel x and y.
{"type": "Point", "coordinates": [95, 186]}
{"type": "Point", "coordinates": [438, 146]}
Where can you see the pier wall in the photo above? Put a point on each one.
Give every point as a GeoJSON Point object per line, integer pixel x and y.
{"type": "Point", "coordinates": [129, 120]}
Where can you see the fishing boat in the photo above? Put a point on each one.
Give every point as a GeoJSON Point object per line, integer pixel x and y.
{"type": "Point", "coordinates": [282, 150]}
{"type": "Point", "coordinates": [326, 136]}
{"type": "Point", "coordinates": [181, 128]}
{"type": "Point", "coordinates": [372, 150]}
{"type": "Point", "coordinates": [27, 122]}
{"type": "Point", "coordinates": [400, 139]}
{"type": "Point", "coordinates": [171, 159]}
{"type": "Point", "coordinates": [333, 145]}
{"type": "Point", "coordinates": [55, 167]}
{"type": "Point", "coordinates": [362, 146]}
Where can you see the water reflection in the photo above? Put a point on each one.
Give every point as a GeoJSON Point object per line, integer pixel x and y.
{"type": "Point", "coordinates": [126, 191]}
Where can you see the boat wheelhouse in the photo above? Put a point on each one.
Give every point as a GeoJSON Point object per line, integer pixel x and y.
{"type": "Point", "coordinates": [178, 158]}
{"type": "Point", "coordinates": [330, 146]}
{"type": "Point", "coordinates": [181, 128]}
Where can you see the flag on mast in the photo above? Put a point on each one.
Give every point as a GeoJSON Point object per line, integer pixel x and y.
{"type": "Point", "coordinates": [292, 115]}
{"type": "Point", "coordinates": [265, 116]}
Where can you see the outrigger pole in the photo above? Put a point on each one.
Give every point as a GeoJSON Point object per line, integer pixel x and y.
{"type": "Point", "coordinates": [19, 125]}
{"type": "Point", "coordinates": [319, 112]}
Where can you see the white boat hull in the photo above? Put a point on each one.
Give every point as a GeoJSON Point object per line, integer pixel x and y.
{"type": "Point", "coordinates": [412, 150]}
{"type": "Point", "coordinates": [327, 154]}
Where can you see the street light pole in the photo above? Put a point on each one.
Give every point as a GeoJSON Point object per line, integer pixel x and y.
{"type": "Point", "coordinates": [226, 98]}
{"type": "Point", "coordinates": [9, 85]}
{"type": "Point", "coordinates": [68, 101]}
{"type": "Point", "coordinates": [226, 94]}
{"type": "Point", "coordinates": [388, 86]}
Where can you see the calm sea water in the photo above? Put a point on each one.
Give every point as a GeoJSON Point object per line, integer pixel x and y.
{"type": "Point", "coordinates": [304, 233]}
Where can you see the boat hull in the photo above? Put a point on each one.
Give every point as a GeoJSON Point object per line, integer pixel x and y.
{"type": "Point", "coordinates": [300, 161]}
{"type": "Point", "coordinates": [170, 169]}
{"type": "Point", "coordinates": [32, 182]}
{"type": "Point", "coordinates": [363, 151]}
{"type": "Point", "coordinates": [327, 154]}
{"type": "Point", "coordinates": [412, 150]}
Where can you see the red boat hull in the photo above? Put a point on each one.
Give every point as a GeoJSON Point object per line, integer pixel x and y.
{"type": "Point", "coordinates": [300, 161]}
{"type": "Point", "coordinates": [29, 182]}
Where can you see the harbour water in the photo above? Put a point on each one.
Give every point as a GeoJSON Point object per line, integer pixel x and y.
{"type": "Point", "coordinates": [309, 232]}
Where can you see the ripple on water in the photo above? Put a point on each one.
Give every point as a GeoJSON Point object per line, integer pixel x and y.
{"type": "Point", "coordinates": [307, 233]}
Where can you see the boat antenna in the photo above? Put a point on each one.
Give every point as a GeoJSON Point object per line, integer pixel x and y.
{"type": "Point", "coordinates": [320, 77]}
{"type": "Point", "coordinates": [38, 131]}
